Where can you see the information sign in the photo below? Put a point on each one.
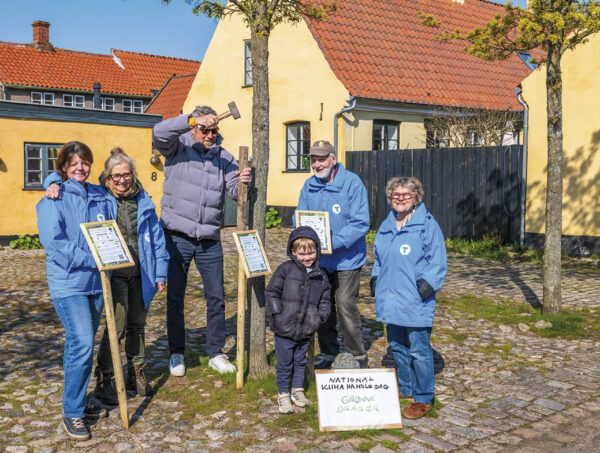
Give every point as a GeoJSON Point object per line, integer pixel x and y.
{"type": "Point", "coordinates": [107, 245]}
{"type": "Point", "coordinates": [358, 399]}
{"type": "Point", "coordinates": [251, 250]}
{"type": "Point", "coordinates": [318, 221]}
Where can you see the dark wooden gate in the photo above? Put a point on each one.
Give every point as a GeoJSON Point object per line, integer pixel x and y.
{"type": "Point", "coordinates": [470, 191]}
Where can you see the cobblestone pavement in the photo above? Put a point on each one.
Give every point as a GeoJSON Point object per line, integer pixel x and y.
{"type": "Point", "coordinates": [501, 389]}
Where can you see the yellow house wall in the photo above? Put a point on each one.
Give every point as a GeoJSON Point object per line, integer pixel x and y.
{"type": "Point", "coordinates": [581, 147]}
{"type": "Point", "coordinates": [18, 205]}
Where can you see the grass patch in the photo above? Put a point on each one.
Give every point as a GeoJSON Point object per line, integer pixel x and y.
{"type": "Point", "coordinates": [387, 443]}
{"type": "Point", "coordinates": [438, 432]}
{"type": "Point", "coordinates": [570, 324]}
{"type": "Point", "coordinates": [367, 445]}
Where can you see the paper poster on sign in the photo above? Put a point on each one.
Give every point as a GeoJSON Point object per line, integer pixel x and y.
{"type": "Point", "coordinates": [358, 399]}
{"type": "Point", "coordinates": [251, 250]}
{"type": "Point", "coordinates": [107, 245]}
{"type": "Point", "coordinates": [318, 221]}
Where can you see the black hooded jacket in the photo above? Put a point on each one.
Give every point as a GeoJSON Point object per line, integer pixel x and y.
{"type": "Point", "coordinates": [298, 301]}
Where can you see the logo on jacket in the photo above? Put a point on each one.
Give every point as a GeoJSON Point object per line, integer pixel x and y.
{"type": "Point", "coordinates": [100, 218]}
{"type": "Point", "coordinates": [336, 208]}
{"type": "Point", "coordinates": [404, 249]}
{"type": "Point", "coordinates": [147, 237]}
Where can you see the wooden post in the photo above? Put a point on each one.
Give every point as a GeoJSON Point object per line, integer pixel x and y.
{"type": "Point", "coordinates": [114, 347]}
{"type": "Point", "coordinates": [241, 316]}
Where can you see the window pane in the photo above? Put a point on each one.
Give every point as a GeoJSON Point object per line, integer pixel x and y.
{"type": "Point", "coordinates": [67, 100]}
{"type": "Point", "coordinates": [48, 98]}
{"type": "Point", "coordinates": [34, 151]}
{"type": "Point", "coordinates": [36, 98]}
{"type": "Point", "coordinates": [247, 64]}
{"type": "Point", "coordinates": [126, 105]}
{"type": "Point", "coordinates": [292, 149]}
{"type": "Point", "coordinates": [79, 101]}
{"type": "Point", "coordinates": [52, 155]}
{"type": "Point", "coordinates": [138, 106]}
{"type": "Point", "coordinates": [34, 164]}
{"type": "Point", "coordinates": [34, 177]}
{"type": "Point", "coordinates": [292, 133]}
{"type": "Point", "coordinates": [291, 163]}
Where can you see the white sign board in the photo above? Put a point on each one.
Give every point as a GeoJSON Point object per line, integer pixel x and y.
{"type": "Point", "coordinates": [254, 257]}
{"type": "Point", "coordinates": [358, 399]}
{"type": "Point", "coordinates": [107, 245]}
{"type": "Point", "coordinates": [318, 221]}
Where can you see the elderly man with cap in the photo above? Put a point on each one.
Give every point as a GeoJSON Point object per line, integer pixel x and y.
{"type": "Point", "coordinates": [340, 192]}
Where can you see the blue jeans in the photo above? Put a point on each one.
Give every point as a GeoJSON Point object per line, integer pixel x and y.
{"type": "Point", "coordinates": [80, 316]}
{"type": "Point", "coordinates": [414, 361]}
{"type": "Point", "coordinates": [208, 255]}
{"type": "Point", "coordinates": [291, 362]}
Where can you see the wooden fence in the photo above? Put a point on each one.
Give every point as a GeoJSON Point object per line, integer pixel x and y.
{"type": "Point", "coordinates": [471, 192]}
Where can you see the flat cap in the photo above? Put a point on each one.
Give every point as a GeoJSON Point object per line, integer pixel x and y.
{"type": "Point", "coordinates": [321, 148]}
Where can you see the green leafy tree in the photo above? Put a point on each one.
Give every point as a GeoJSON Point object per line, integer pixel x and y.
{"type": "Point", "coordinates": [261, 17]}
{"type": "Point", "coordinates": [548, 28]}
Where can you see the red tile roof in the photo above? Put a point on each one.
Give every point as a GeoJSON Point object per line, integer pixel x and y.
{"type": "Point", "coordinates": [22, 64]}
{"type": "Point", "coordinates": [154, 70]}
{"type": "Point", "coordinates": [379, 49]}
{"type": "Point", "coordinates": [169, 101]}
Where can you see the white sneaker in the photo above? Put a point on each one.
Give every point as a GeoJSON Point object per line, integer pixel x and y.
{"type": "Point", "coordinates": [285, 404]}
{"type": "Point", "coordinates": [221, 364]}
{"type": "Point", "coordinates": [176, 365]}
{"type": "Point", "coordinates": [299, 398]}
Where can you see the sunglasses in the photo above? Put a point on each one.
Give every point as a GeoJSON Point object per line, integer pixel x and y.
{"type": "Point", "coordinates": [206, 130]}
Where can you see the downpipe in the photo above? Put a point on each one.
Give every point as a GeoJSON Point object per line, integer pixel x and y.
{"type": "Point", "coordinates": [519, 93]}
{"type": "Point", "coordinates": [350, 105]}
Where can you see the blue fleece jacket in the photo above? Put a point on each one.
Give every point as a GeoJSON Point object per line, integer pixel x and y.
{"type": "Point", "coordinates": [345, 198]}
{"type": "Point", "coordinates": [152, 250]}
{"type": "Point", "coordinates": [417, 251]}
{"type": "Point", "coordinates": [70, 267]}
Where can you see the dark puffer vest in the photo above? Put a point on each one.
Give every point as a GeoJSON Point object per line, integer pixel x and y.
{"type": "Point", "coordinates": [298, 302]}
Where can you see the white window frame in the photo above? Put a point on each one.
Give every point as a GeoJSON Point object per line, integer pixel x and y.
{"type": "Point", "coordinates": [133, 105]}
{"type": "Point", "coordinates": [138, 106]}
{"type": "Point", "coordinates": [77, 100]}
{"type": "Point", "coordinates": [44, 98]}
{"type": "Point", "coordinates": [104, 101]}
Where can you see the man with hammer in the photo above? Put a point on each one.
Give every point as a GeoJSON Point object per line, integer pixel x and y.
{"type": "Point", "coordinates": [342, 194]}
{"type": "Point", "coordinates": [198, 173]}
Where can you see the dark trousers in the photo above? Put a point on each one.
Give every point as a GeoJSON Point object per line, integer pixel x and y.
{"type": "Point", "coordinates": [344, 297]}
{"type": "Point", "coordinates": [208, 256]}
{"type": "Point", "coordinates": [130, 319]}
{"type": "Point", "coordinates": [291, 362]}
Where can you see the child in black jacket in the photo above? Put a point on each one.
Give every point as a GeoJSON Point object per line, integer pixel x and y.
{"type": "Point", "coordinates": [298, 303]}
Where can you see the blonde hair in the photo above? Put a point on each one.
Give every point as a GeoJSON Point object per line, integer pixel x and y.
{"type": "Point", "coordinates": [412, 184]}
{"type": "Point", "coordinates": [303, 245]}
{"type": "Point", "coordinates": [117, 157]}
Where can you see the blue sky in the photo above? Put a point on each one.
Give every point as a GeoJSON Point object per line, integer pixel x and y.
{"type": "Point", "coordinates": [99, 25]}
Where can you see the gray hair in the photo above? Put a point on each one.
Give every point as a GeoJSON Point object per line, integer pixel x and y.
{"type": "Point", "coordinates": [118, 156]}
{"type": "Point", "coordinates": [412, 184]}
{"type": "Point", "coordinates": [202, 110]}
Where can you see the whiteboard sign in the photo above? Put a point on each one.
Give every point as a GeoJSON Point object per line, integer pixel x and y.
{"type": "Point", "coordinates": [107, 245]}
{"type": "Point", "coordinates": [318, 221]}
{"type": "Point", "coordinates": [358, 399]}
{"type": "Point", "coordinates": [251, 250]}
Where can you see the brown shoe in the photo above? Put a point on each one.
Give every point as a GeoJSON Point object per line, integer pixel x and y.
{"type": "Point", "coordinates": [404, 397]}
{"type": "Point", "coordinates": [416, 410]}
{"type": "Point", "coordinates": [136, 380]}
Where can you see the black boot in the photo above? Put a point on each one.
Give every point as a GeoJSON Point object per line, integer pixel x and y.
{"type": "Point", "coordinates": [105, 392]}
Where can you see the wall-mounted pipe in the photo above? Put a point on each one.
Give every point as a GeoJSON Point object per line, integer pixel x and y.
{"type": "Point", "coordinates": [350, 105]}
{"type": "Point", "coordinates": [519, 92]}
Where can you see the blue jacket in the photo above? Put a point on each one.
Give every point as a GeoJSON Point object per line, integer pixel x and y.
{"type": "Point", "coordinates": [70, 267]}
{"type": "Point", "coordinates": [152, 250]}
{"type": "Point", "coordinates": [345, 198]}
{"type": "Point", "coordinates": [402, 257]}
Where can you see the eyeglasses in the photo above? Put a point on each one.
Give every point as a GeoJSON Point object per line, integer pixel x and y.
{"type": "Point", "coordinates": [117, 177]}
{"type": "Point", "coordinates": [402, 195]}
{"type": "Point", "coordinates": [205, 130]}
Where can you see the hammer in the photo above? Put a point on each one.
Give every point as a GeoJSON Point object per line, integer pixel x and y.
{"type": "Point", "coordinates": [233, 111]}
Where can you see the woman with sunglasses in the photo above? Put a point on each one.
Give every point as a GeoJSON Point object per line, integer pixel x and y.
{"type": "Point", "coordinates": [73, 279]}
{"type": "Point", "coordinates": [410, 266]}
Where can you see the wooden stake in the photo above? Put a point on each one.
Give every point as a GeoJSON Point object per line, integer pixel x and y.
{"type": "Point", "coordinates": [241, 316]}
{"type": "Point", "coordinates": [114, 347]}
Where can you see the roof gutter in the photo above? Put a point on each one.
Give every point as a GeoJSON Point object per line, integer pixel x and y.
{"type": "Point", "coordinates": [350, 105]}
{"type": "Point", "coordinates": [519, 93]}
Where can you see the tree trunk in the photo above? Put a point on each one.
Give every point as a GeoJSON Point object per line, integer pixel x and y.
{"type": "Point", "coordinates": [554, 187]}
{"type": "Point", "coordinates": [257, 354]}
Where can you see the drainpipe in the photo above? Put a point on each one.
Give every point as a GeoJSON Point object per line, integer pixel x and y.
{"type": "Point", "coordinates": [350, 105]}
{"type": "Point", "coordinates": [519, 93]}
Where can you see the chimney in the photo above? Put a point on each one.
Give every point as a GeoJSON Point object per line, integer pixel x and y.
{"type": "Point", "coordinates": [96, 100]}
{"type": "Point", "coordinates": [41, 39]}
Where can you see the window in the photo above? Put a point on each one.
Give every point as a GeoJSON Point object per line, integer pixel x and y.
{"type": "Point", "coordinates": [297, 146]}
{"type": "Point", "coordinates": [74, 100]}
{"type": "Point", "coordinates": [247, 64]}
{"type": "Point", "coordinates": [385, 134]}
{"type": "Point", "coordinates": [475, 139]}
{"type": "Point", "coordinates": [42, 98]}
{"type": "Point", "coordinates": [40, 160]}
{"type": "Point", "coordinates": [135, 106]}
{"type": "Point", "coordinates": [108, 103]}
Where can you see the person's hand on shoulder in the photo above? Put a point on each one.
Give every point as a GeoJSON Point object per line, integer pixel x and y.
{"type": "Point", "coordinates": [53, 191]}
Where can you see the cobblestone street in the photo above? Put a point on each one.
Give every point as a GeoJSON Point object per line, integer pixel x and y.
{"type": "Point", "coordinates": [501, 388]}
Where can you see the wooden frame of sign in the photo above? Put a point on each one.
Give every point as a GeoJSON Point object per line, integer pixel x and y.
{"type": "Point", "coordinates": [107, 245]}
{"type": "Point", "coordinates": [250, 246]}
{"type": "Point", "coordinates": [354, 399]}
{"type": "Point", "coordinates": [110, 252]}
{"type": "Point", "coordinates": [318, 221]}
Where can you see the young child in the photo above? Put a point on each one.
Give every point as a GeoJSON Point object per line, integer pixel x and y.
{"type": "Point", "coordinates": [298, 303]}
